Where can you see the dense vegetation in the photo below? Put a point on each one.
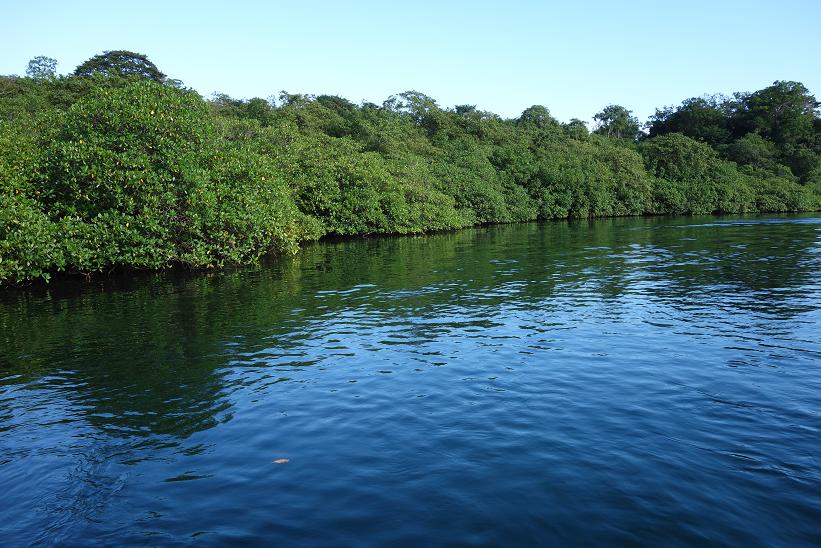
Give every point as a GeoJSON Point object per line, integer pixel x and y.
{"type": "Point", "coordinates": [117, 165]}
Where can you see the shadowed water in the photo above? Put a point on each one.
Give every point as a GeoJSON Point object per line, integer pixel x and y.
{"type": "Point", "coordinates": [653, 381]}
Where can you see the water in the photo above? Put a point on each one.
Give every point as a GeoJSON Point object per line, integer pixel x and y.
{"type": "Point", "coordinates": [651, 381]}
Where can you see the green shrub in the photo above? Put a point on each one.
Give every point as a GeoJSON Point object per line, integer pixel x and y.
{"type": "Point", "coordinates": [100, 172]}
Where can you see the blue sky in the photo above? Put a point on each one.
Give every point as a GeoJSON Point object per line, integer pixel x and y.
{"type": "Point", "coordinates": [573, 57]}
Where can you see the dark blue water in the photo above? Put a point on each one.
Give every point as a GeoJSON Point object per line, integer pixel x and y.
{"type": "Point", "coordinates": [632, 381]}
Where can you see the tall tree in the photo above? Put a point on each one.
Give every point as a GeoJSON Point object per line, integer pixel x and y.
{"type": "Point", "coordinates": [783, 112]}
{"type": "Point", "coordinates": [576, 129]}
{"type": "Point", "coordinates": [536, 116]}
{"type": "Point", "coordinates": [701, 118]}
{"type": "Point", "coordinates": [120, 63]}
{"type": "Point", "coordinates": [616, 121]}
{"type": "Point", "coordinates": [42, 68]}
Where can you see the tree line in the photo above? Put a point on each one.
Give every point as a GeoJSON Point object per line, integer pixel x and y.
{"type": "Point", "coordinates": [118, 165]}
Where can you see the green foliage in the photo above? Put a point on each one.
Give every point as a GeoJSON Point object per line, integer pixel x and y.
{"type": "Point", "coordinates": [783, 112]}
{"type": "Point", "coordinates": [255, 109]}
{"type": "Point", "coordinates": [138, 175]}
{"type": "Point", "coordinates": [618, 122]}
{"type": "Point", "coordinates": [691, 178]}
{"type": "Point", "coordinates": [677, 157]}
{"type": "Point", "coordinates": [29, 245]}
{"type": "Point", "coordinates": [42, 68]}
{"type": "Point", "coordinates": [700, 118]}
{"type": "Point", "coordinates": [352, 191]}
{"type": "Point", "coordinates": [590, 178]}
{"type": "Point", "coordinates": [536, 116]}
{"type": "Point", "coordinates": [576, 129]}
{"type": "Point", "coordinates": [117, 166]}
{"type": "Point", "coordinates": [776, 129]}
{"type": "Point", "coordinates": [120, 63]}
{"type": "Point", "coordinates": [245, 211]}
{"type": "Point", "coordinates": [753, 150]}
{"type": "Point", "coordinates": [21, 97]}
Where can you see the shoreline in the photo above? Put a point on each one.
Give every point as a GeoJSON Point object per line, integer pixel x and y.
{"type": "Point", "coordinates": [126, 274]}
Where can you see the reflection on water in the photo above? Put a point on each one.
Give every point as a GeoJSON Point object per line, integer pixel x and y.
{"type": "Point", "coordinates": [625, 380]}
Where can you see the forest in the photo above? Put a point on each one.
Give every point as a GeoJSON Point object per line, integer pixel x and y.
{"type": "Point", "coordinates": [117, 165]}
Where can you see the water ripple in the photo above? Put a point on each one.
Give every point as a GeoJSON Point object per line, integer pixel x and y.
{"type": "Point", "coordinates": [624, 381]}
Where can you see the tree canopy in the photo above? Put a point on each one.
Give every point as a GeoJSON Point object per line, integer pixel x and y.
{"type": "Point", "coordinates": [116, 165]}
{"type": "Point", "coordinates": [42, 67]}
{"type": "Point", "coordinates": [701, 118]}
{"type": "Point", "coordinates": [120, 63]}
{"type": "Point", "coordinates": [775, 128]}
{"type": "Point", "coordinates": [618, 122]}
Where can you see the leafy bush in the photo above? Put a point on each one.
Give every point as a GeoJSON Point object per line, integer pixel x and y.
{"type": "Point", "coordinates": [121, 167]}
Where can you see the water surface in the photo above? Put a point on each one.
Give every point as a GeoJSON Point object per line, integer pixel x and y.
{"type": "Point", "coordinates": [653, 381]}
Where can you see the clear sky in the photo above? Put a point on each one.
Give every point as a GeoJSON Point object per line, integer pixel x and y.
{"type": "Point", "coordinates": [573, 57]}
